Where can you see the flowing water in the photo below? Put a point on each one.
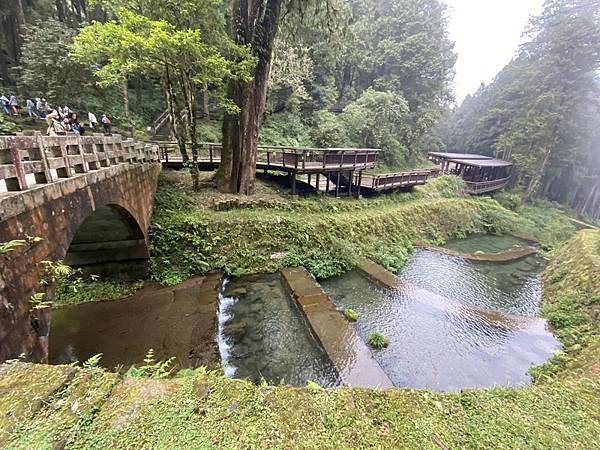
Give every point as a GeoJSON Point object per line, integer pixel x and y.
{"type": "Point", "coordinates": [454, 323]}
{"type": "Point", "coordinates": [263, 335]}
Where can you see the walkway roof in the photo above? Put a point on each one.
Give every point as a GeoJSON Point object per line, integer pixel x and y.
{"type": "Point", "coordinates": [482, 162]}
{"type": "Point", "coordinates": [458, 155]}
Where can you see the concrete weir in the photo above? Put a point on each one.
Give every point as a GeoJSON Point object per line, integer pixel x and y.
{"type": "Point", "coordinates": [503, 320]}
{"type": "Point", "coordinates": [513, 254]}
{"type": "Point", "coordinates": [347, 351]}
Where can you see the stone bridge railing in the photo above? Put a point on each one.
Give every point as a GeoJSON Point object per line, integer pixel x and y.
{"type": "Point", "coordinates": [30, 160]}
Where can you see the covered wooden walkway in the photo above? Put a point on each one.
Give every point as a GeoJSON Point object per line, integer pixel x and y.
{"type": "Point", "coordinates": [482, 174]}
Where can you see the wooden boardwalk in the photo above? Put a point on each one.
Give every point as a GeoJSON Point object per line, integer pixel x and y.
{"type": "Point", "coordinates": [341, 171]}
{"type": "Point", "coordinates": [332, 170]}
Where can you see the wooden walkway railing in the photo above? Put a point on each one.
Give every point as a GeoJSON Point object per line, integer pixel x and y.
{"type": "Point", "coordinates": [338, 165]}
{"type": "Point", "coordinates": [290, 159]}
{"type": "Point", "coordinates": [388, 181]}
{"type": "Point", "coordinates": [28, 160]}
{"type": "Point", "coordinates": [482, 187]}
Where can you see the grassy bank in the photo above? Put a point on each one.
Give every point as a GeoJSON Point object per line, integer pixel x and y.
{"type": "Point", "coordinates": [194, 232]}
{"type": "Point", "coordinates": [44, 406]}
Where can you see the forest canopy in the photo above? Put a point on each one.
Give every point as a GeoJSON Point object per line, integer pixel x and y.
{"type": "Point", "coordinates": [365, 73]}
{"type": "Point", "coordinates": [543, 109]}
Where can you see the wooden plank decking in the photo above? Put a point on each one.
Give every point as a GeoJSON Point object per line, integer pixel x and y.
{"type": "Point", "coordinates": [335, 170]}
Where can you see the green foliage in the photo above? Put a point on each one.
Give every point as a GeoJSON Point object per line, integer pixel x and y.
{"type": "Point", "coordinates": [71, 288]}
{"type": "Point", "coordinates": [312, 385]}
{"type": "Point", "coordinates": [377, 340]}
{"type": "Point", "coordinates": [446, 185]}
{"type": "Point", "coordinates": [378, 120]}
{"type": "Point", "coordinates": [542, 108]}
{"type": "Point", "coordinates": [327, 130]}
{"type": "Point", "coordinates": [387, 64]}
{"type": "Point", "coordinates": [571, 302]}
{"type": "Point", "coordinates": [509, 200]}
{"type": "Point", "coordinates": [284, 129]}
{"type": "Point", "coordinates": [191, 234]}
{"type": "Point", "coordinates": [92, 361]}
{"type": "Point", "coordinates": [351, 315]}
{"type": "Point", "coordinates": [7, 247]}
{"type": "Point", "coordinates": [38, 301]}
{"type": "Point", "coordinates": [45, 55]}
{"type": "Point", "coordinates": [152, 368]}
{"type": "Point", "coordinates": [6, 126]}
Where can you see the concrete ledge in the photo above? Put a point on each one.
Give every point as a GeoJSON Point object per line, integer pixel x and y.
{"type": "Point", "coordinates": [379, 274]}
{"type": "Point", "coordinates": [346, 350]}
{"type": "Point", "coordinates": [513, 254]}
{"type": "Point", "coordinates": [506, 321]}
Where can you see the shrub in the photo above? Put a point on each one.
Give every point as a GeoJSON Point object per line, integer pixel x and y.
{"type": "Point", "coordinates": [378, 340]}
{"type": "Point", "coordinates": [445, 186]}
{"type": "Point", "coordinates": [351, 315]}
{"type": "Point", "coordinates": [509, 200]}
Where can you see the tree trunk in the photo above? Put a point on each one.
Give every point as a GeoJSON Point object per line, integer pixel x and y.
{"type": "Point", "coordinates": [589, 202]}
{"type": "Point", "coordinates": [126, 110]}
{"type": "Point", "coordinates": [254, 22]}
{"type": "Point", "coordinates": [20, 22]}
{"type": "Point", "coordinates": [60, 11]}
{"type": "Point", "coordinates": [189, 94]}
{"type": "Point", "coordinates": [174, 116]}
{"type": "Point", "coordinates": [206, 111]}
{"type": "Point", "coordinates": [535, 180]}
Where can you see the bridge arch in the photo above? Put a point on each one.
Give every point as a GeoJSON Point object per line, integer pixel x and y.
{"type": "Point", "coordinates": [109, 243]}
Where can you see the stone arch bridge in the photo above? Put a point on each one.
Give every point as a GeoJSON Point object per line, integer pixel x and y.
{"type": "Point", "coordinates": [85, 200]}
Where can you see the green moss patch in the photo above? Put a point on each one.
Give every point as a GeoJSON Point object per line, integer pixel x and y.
{"type": "Point", "coordinates": [24, 389]}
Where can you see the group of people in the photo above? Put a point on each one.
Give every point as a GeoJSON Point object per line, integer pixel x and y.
{"type": "Point", "coordinates": [60, 118]}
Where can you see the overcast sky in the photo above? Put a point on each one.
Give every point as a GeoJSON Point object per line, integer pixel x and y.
{"type": "Point", "coordinates": [487, 35]}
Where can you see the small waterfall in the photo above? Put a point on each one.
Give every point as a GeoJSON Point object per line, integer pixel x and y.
{"type": "Point", "coordinates": [223, 316]}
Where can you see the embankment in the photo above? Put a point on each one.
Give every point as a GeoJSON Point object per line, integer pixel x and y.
{"type": "Point", "coordinates": [89, 408]}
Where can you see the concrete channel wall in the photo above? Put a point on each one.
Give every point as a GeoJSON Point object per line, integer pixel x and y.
{"type": "Point", "coordinates": [348, 352]}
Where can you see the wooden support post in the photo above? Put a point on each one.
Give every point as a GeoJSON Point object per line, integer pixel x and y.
{"type": "Point", "coordinates": [294, 183]}
{"type": "Point", "coordinates": [327, 184]}
{"type": "Point", "coordinates": [318, 182]}
{"type": "Point", "coordinates": [309, 179]}
{"type": "Point", "coordinates": [337, 185]}
{"type": "Point", "coordinates": [359, 183]}
{"type": "Point", "coordinates": [350, 176]}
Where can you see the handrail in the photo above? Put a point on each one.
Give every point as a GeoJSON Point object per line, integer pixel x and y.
{"type": "Point", "coordinates": [399, 178]}
{"type": "Point", "coordinates": [275, 147]}
{"type": "Point", "coordinates": [478, 187]}
{"type": "Point", "coordinates": [32, 159]}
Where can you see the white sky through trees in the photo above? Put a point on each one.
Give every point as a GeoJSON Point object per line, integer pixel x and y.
{"type": "Point", "coordinates": [487, 35]}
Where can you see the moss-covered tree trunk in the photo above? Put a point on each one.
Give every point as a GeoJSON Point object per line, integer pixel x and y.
{"type": "Point", "coordinates": [254, 22]}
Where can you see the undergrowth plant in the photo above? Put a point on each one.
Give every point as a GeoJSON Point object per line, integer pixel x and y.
{"type": "Point", "coordinates": [377, 340]}
{"type": "Point", "coordinates": [152, 368]}
{"type": "Point", "coordinates": [351, 315]}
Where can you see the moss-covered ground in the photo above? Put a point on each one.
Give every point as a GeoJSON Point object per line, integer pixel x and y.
{"type": "Point", "coordinates": [67, 407]}
{"type": "Point", "coordinates": [62, 407]}
{"type": "Point", "coordinates": [194, 232]}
